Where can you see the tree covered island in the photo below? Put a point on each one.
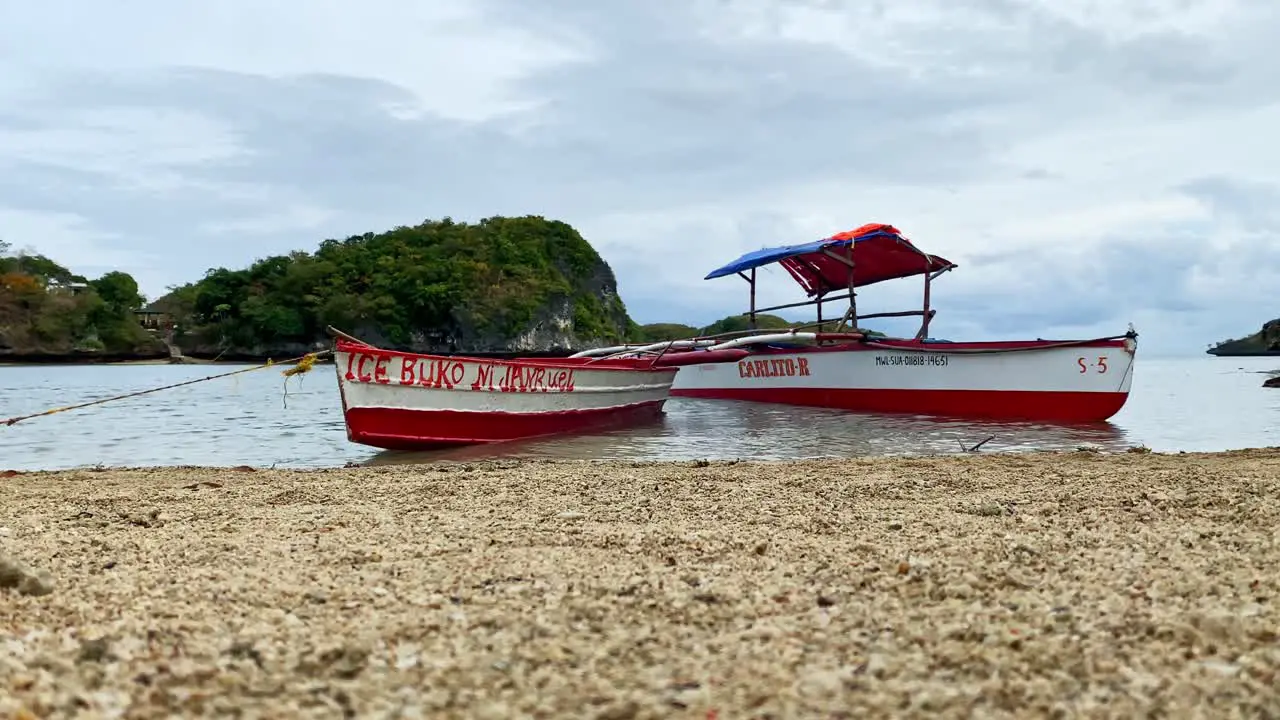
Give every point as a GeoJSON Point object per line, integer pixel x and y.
{"type": "Point", "coordinates": [1264, 342]}
{"type": "Point", "coordinates": [500, 286]}
{"type": "Point", "coordinates": [48, 313]}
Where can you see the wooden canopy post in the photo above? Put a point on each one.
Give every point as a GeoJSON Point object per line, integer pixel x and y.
{"type": "Point", "coordinates": [927, 314]}
{"type": "Point", "coordinates": [751, 280]}
{"type": "Point", "coordinates": [847, 259]}
{"type": "Point", "coordinates": [924, 323]}
{"type": "Point", "coordinates": [853, 295]}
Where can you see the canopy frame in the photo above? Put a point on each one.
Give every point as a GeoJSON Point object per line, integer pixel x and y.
{"type": "Point", "coordinates": [885, 254]}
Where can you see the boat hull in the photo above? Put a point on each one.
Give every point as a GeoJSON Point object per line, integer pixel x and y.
{"type": "Point", "coordinates": [405, 401]}
{"type": "Point", "coordinates": [1033, 380]}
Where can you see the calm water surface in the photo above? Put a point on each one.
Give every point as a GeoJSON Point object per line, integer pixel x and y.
{"type": "Point", "coordinates": [1177, 404]}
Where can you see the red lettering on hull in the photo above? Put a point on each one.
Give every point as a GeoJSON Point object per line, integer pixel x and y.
{"type": "Point", "coordinates": [484, 378]}
{"type": "Point", "coordinates": [436, 373]}
{"type": "Point", "coordinates": [773, 367]}
{"type": "Point", "coordinates": [446, 374]}
{"type": "Point", "coordinates": [529, 378]}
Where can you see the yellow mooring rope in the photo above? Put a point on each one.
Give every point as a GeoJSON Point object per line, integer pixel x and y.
{"type": "Point", "coordinates": [304, 366]}
{"type": "Point", "coordinates": [300, 365]}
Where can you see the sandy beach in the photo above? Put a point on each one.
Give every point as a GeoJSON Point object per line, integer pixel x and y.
{"type": "Point", "coordinates": [1036, 585]}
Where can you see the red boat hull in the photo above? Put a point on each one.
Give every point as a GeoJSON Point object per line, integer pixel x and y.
{"type": "Point", "coordinates": [1013, 405]}
{"type": "Point", "coordinates": [407, 429]}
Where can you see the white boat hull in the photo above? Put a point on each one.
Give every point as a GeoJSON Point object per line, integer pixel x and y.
{"type": "Point", "coordinates": [1033, 380]}
{"type": "Point", "coordinates": [406, 401]}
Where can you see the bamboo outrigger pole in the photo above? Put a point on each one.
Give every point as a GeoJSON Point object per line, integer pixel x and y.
{"type": "Point", "coordinates": [751, 312]}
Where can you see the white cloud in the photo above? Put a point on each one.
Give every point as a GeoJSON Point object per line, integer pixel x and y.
{"type": "Point", "coordinates": [135, 144]}
{"type": "Point", "coordinates": [294, 217]}
{"type": "Point", "coordinates": [457, 62]}
{"type": "Point", "coordinates": [1124, 21]}
{"type": "Point", "coordinates": [69, 239]}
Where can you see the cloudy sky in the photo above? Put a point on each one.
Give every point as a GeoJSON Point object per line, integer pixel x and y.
{"type": "Point", "coordinates": [1087, 163]}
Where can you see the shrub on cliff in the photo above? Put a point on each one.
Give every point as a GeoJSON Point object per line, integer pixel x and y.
{"type": "Point", "coordinates": [501, 284]}
{"type": "Point", "coordinates": [659, 332]}
{"type": "Point", "coordinates": [739, 323]}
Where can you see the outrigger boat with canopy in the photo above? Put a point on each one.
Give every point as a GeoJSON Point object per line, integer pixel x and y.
{"type": "Point", "coordinates": [1036, 380]}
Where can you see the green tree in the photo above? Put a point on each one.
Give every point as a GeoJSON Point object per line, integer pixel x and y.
{"type": "Point", "coordinates": [119, 291]}
{"type": "Point", "coordinates": [44, 269]}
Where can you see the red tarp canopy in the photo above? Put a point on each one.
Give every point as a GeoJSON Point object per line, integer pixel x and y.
{"type": "Point", "coordinates": [880, 253]}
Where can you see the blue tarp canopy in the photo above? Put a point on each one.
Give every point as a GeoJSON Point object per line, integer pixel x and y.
{"type": "Point", "coordinates": [768, 256]}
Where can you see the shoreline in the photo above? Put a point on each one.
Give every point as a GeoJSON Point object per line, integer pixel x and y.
{"type": "Point", "coordinates": [427, 465]}
{"type": "Point", "coordinates": [244, 359]}
{"type": "Point", "coordinates": [79, 360]}
{"type": "Point", "coordinates": [1085, 583]}
{"type": "Point", "coordinates": [166, 360]}
{"type": "Point", "coordinates": [450, 464]}
{"type": "Point", "coordinates": [241, 358]}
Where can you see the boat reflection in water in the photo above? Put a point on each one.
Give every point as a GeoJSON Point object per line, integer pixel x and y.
{"type": "Point", "coordinates": [726, 429]}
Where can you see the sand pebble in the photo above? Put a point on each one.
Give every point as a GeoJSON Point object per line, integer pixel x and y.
{"type": "Point", "coordinates": [26, 580]}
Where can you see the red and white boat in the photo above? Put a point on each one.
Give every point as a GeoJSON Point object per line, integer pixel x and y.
{"type": "Point", "coordinates": [407, 401]}
{"type": "Point", "coordinates": [1039, 380]}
